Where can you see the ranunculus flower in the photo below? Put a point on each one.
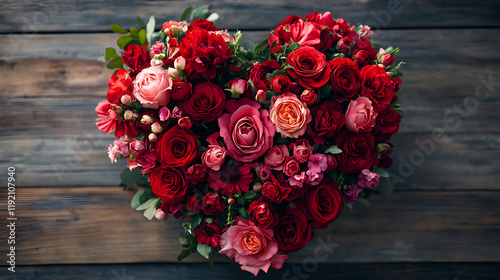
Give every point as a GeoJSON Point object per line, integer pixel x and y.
{"type": "Point", "coordinates": [309, 97]}
{"type": "Point", "coordinates": [212, 204]}
{"type": "Point", "coordinates": [291, 166]}
{"type": "Point", "coordinates": [358, 151]}
{"type": "Point", "coordinates": [262, 214]}
{"type": "Point", "coordinates": [120, 84]}
{"type": "Point", "coordinates": [177, 147]}
{"type": "Point", "coordinates": [275, 191]}
{"type": "Point", "coordinates": [327, 120]}
{"type": "Point", "coordinates": [289, 115]}
{"type": "Point", "coordinates": [203, 52]}
{"type": "Point", "coordinates": [276, 156]}
{"type": "Point", "coordinates": [208, 233]}
{"type": "Point", "coordinates": [213, 157]}
{"type": "Point", "coordinates": [205, 104]}
{"type": "Point", "coordinates": [263, 171]}
{"type": "Point", "coordinates": [151, 87]}
{"type": "Point", "coordinates": [136, 57]}
{"type": "Point", "coordinates": [253, 247]}
{"type": "Point", "coordinates": [292, 232]}
{"type": "Point", "coordinates": [169, 183]}
{"type": "Point", "coordinates": [360, 115]}
{"type": "Point", "coordinates": [387, 124]}
{"type": "Point", "coordinates": [344, 78]}
{"type": "Point", "coordinates": [309, 67]}
{"type": "Point", "coordinates": [377, 86]}
{"type": "Point", "coordinates": [323, 203]}
{"type": "Point", "coordinates": [301, 150]}
{"type": "Point", "coordinates": [247, 131]}
{"type": "Point", "coordinates": [181, 89]}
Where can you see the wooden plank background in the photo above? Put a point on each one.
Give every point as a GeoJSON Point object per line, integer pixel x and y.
{"type": "Point", "coordinates": [442, 223]}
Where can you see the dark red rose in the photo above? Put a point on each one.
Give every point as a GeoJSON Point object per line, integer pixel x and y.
{"type": "Point", "coordinates": [366, 45]}
{"type": "Point", "coordinates": [332, 162]}
{"type": "Point", "coordinates": [203, 52]}
{"type": "Point", "coordinates": [119, 85]}
{"type": "Point", "coordinates": [205, 104]}
{"type": "Point", "coordinates": [376, 85]}
{"type": "Point", "coordinates": [169, 183]}
{"type": "Point", "coordinates": [309, 97]}
{"type": "Point", "coordinates": [263, 214]}
{"type": "Point", "coordinates": [135, 57]}
{"type": "Point", "coordinates": [193, 203]}
{"type": "Point", "coordinates": [309, 67]}
{"type": "Point", "coordinates": [181, 89]}
{"type": "Point", "coordinates": [203, 24]}
{"type": "Point", "coordinates": [385, 160]}
{"type": "Point", "coordinates": [212, 204]}
{"type": "Point", "coordinates": [280, 83]}
{"type": "Point", "coordinates": [177, 147]}
{"type": "Point", "coordinates": [275, 191]}
{"type": "Point", "coordinates": [327, 119]}
{"type": "Point", "coordinates": [345, 44]}
{"type": "Point", "coordinates": [257, 74]}
{"type": "Point", "coordinates": [323, 203]}
{"type": "Point", "coordinates": [208, 234]}
{"type": "Point", "coordinates": [360, 57]}
{"type": "Point", "coordinates": [396, 82]}
{"type": "Point", "coordinates": [387, 59]}
{"type": "Point", "coordinates": [344, 79]}
{"type": "Point", "coordinates": [292, 232]}
{"type": "Point", "coordinates": [387, 124]}
{"type": "Point", "coordinates": [174, 209]}
{"type": "Point", "coordinates": [358, 151]}
{"type": "Point", "coordinates": [196, 173]}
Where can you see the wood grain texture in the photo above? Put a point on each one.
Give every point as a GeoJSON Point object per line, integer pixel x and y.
{"type": "Point", "coordinates": [71, 15]}
{"type": "Point", "coordinates": [375, 271]}
{"type": "Point", "coordinates": [97, 225]}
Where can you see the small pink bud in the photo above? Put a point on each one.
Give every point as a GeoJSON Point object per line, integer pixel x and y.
{"type": "Point", "coordinates": [135, 116]}
{"type": "Point", "coordinates": [126, 99]}
{"type": "Point", "coordinates": [160, 215]}
{"type": "Point", "coordinates": [256, 187]}
{"type": "Point", "coordinates": [156, 128]}
{"type": "Point", "coordinates": [230, 201]}
{"type": "Point", "coordinates": [128, 115]}
{"type": "Point", "coordinates": [238, 86]}
{"type": "Point", "coordinates": [152, 137]}
{"type": "Point", "coordinates": [156, 62]}
{"type": "Point", "coordinates": [173, 72]}
{"type": "Point", "coordinates": [146, 119]}
{"type": "Point", "coordinates": [180, 63]}
{"type": "Point", "coordinates": [165, 114]}
{"type": "Point", "coordinates": [260, 96]}
{"type": "Point", "coordinates": [387, 59]}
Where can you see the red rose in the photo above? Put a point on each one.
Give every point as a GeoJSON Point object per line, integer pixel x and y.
{"type": "Point", "coordinates": [327, 119]}
{"type": "Point", "coordinates": [196, 173]}
{"type": "Point", "coordinates": [280, 83]}
{"type": "Point", "coordinates": [193, 203]}
{"type": "Point", "coordinates": [205, 104]}
{"type": "Point", "coordinates": [181, 89]}
{"type": "Point", "coordinates": [203, 52]}
{"type": "Point", "coordinates": [263, 214]}
{"type": "Point", "coordinates": [176, 209]}
{"type": "Point", "coordinates": [257, 74]}
{"type": "Point", "coordinates": [385, 160]}
{"type": "Point", "coordinates": [358, 151]}
{"type": "Point", "coordinates": [387, 124]}
{"type": "Point", "coordinates": [323, 203]}
{"type": "Point", "coordinates": [275, 191]}
{"type": "Point", "coordinates": [342, 29]}
{"type": "Point", "coordinates": [376, 85]}
{"type": "Point", "coordinates": [344, 78]}
{"type": "Point", "coordinates": [169, 183]}
{"type": "Point", "coordinates": [203, 24]}
{"type": "Point", "coordinates": [396, 82]}
{"type": "Point", "coordinates": [309, 97]}
{"type": "Point", "coordinates": [387, 59]}
{"type": "Point", "coordinates": [292, 232]}
{"type": "Point", "coordinates": [309, 67]}
{"type": "Point", "coordinates": [212, 204]}
{"type": "Point", "coordinates": [360, 57]}
{"type": "Point", "coordinates": [177, 147]}
{"type": "Point", "coordinates": [366, 45]}
{"type": "Point", "coordinates": [136, 58]}
{"type": "Point", "coordinates": [119, 85]}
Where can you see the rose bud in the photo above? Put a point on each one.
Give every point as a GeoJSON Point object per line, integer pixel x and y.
{"type": "Point", "coordinates": [260, 96]}
{"type": "Point", "coordinates": [126, 99]}
{"type": "Point", "coordinates": [152, 137]}
{"type": "Point", "coordinates": [128, 115]}
{"type": "Point", "coordinates": [180, 63]}
{"type": "Point", "coordinates": [160, 215]}
{"type": "Point", "coordinates": [146, 119]}
{"type": "Point", "coordinates": [238, 87]}
{"type": "Point", "coordinates": [280, 83]}
{"type": "Point", "coordinates": [173, 73]}
{"type": "Point", "coordinates": [135, 116]}
{"type": "Point", "coordinates": [185, 122]}
{"type": "Point", "coordinates": [157, 60]}
{"type": "Point", "coordinates": [361, 57]}
{"type": "Point", "coordinates": [345, 44]}
{"type": "Point", "coordinates": [309, 97]}
{"type": "Point", "coordinates": [156, 128]}
{"type": "Point", "coordinates": [165, 114]}
{"type": "Point", "coordinates": [230, 201]}
{"type": "Point", "coordinates": [256, 187]}
{"type": "Point", "coordinates": [386, 60]}
{"type": "Point", "coordinates": [213, 157]}
{"type": "Point", "coordinates": [235, 67]}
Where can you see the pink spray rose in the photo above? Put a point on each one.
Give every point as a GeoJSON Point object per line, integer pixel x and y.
{"type": "Point", "coordinates": [360, 115]}
{"type": "Point", "coordinates": [247, 131]}
{"type": "Point", "coordinates": [151, 87]}
{"type": "Point", "coordinates": [213, 157]}
{"type": "Point", "coordinates": [301, 150]}
{"type": "Point", "coordinates": [291, 166]}
{"type": "Point", "coordinates": [289, 115]}
{"type": "Point", "coordinates": [253, 247]}
{"type": "Point", "coordinates": [276, 156]}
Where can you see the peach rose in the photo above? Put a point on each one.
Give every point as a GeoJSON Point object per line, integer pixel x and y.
{"type": "Point", "coordinates": [360, 115]}
{"type": "Point", "coordinates": [151, 87]}
{"type": "Point", "coordinates": [289, 115]}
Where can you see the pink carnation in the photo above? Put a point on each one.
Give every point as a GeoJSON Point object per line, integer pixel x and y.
{"type": "Point", "coordinates": [368, 179]}
{"type": "Point", "coordinates": [318, 163]}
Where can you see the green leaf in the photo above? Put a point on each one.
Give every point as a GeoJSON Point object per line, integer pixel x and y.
{"type": "Point", "coordinates": [384, 188]}
{"type": "Point", "coordinates": [131, 177]}
{"type": "Point", "coordinates": [242, 212]}
{"type": "Point", "coordinates": [150, 213]}
{"type": "Point", "coordinates": [110, 53]}
{"type": "Point", "coordinates": [185, 13]}
{"type": "Point", "coordinates": [213, 17]}
{"type": "Point", "coordinates": [134, 32]}
{"type": "Point", "coordinates": [150, 29]}
{"type": "Point", "coordinates": [363, 201]}
{"type": "Point", "coordinates": [184, 254]}
{"type": "Point", "coordinates": [200, 12]}
{"type": "Point", "coordinates": [124, 40]}
{"type": "Point", "coordinates": [261, 46]}
{"type": "Point", "coordinates": [142, 37]}
{"type": "Point", "coordinates": [325, 90]}
{"type": "Point", "coordinates": [151, 203]}
{"type": "Point", "coordinates": [380, 171]}
{"type": "Point", "coordinates": [204, 250]}
{"type": "Point", "coordinates": [294, 46]}
{"type": "Point", "coordinates": [141, 23]}
{"type": "Point", "coordinates": [211, 258]}
{"type": "Point", "coordinates": [333, 150]}
{"type": "Point", "coordinates": [118, 29]}
{"type": "Point", "coordinates": [115, 63]}
{"type": "Point", "coordinates": [249, 194]}
{"type": "Point", "coordinates": [209, 220]}
{"type": "Point", "coordinates": [195, 221]}
{"type": "Point", "coordinates": [139, 198]}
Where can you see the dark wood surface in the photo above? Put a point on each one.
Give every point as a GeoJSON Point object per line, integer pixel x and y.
{"type": "Point", "coordinates": [74, 223]}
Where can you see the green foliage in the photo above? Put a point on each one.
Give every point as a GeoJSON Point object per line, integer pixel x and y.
{"type": "Point", "coordinates": [118, 29]}
{"type": "Point", "coordinates": [185, 13]}
{"type": "Point", "coordinates": [149, 207]}
{"type": "Point", "coordinates": [382, 172]}
{"type": "Point", "coordinates": [384, 188]}
{"type": "Point", "coordinates": [204, 250]}
{"type": "Point", "coordinates": [200, 12]}
{"type": "Point", "coordinates": [333, 150]}
{"type": "Point", "coordinates": [139, 198]}
{"type": "Point", "coordinates": [130, 177]}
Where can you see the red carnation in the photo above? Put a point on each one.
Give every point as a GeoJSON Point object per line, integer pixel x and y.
{"type": "Point", "coordinates": [323, 203]}
{"type": "Point", "coordinates": [205, 104]}
{"type": "Point", "coordinates": [376, 85]}
{"type": "Point", "coordinates": [358, 151]}
{"type": "Point", "coordinates": [177, 147]}
{"type": "Point", "coordinates": [119, 84]}
{"type": "Point", "coordinates": [309, 67]}
{"type": "Point", "coordinates": [212, 204]}
{"type": "Point", "coordinates": [292, 232]}
{"type": "Point", "coordinates": [169, 183]}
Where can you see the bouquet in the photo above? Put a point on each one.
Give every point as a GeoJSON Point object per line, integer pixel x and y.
{"type": "Point", "coordinates": [253, 149]}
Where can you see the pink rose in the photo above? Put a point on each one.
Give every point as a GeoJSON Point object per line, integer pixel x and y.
{"type": "Point", "coordinates": [276, 156]}
{"type": "Point", "coordinates": [289, 115]}
{"type": "Point", "coordinates": [365, 32]}
{"type": "Point", "coordinates": [301, 150]}
{"type": "Point", "coordinates": [253, 247]}
{"type": "Point", "coordinates": [151, 87]}
{"type": "Point", "coordinates": [360, 115]}
{"type": "Point", "coordinates": [137, 147]}
{"type": "Point", "coordinates": [291, 167]}
{"type": "Point", "coordinates": [213, 157]}
{"type": "Point", "coordinates": [247, 131]}
{"type": "Point", "coordinates": [165, 114]}
{"type": "Point", "coordinates": [263, 171]}
{"type": "Point", "coordinates": [160, 215]}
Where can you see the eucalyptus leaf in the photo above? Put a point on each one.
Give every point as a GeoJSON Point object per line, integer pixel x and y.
{"type": "Point", "coordinates": [150, 213]}
{"type": "Point", "coordinates": [150, 29]}
{"type": "Point", "coordinates": [118, 29]}
{"type": "Point", "coordinates": [185, 13]}
{"type": "Point", "coordinates": [150, 203]}
{"type": "Point", "coordinates": [141, 23]}
{"type": "Point", "coordinates": [139, 198]}
{"type": "Point", "coordinates": [213, 17]}
{"type": "Point", "coordinates": [130, 177]}
{"type": "Point", "coordinates": [204, 250]}
{"type": "Point", "coordinates": [200, 12]}
{"type": "Point", "coordinates": [333, 150]}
